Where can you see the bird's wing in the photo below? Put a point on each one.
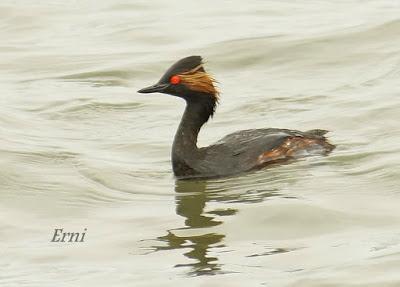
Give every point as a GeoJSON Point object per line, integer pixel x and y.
{"type": "Point", "coordinates": [255, 139]}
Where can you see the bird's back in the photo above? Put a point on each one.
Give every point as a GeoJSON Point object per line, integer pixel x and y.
{"type": "Point", "coordinates": [249, 149]}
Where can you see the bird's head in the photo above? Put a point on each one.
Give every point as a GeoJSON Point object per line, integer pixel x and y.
{"type": "Point", "coordinates": [186, 79]}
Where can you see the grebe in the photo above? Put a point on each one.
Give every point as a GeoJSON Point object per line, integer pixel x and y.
{"type": "Point", "coordinates": [237, 152]}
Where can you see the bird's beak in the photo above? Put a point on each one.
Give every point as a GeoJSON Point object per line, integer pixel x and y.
{"type": "Point", "coordinates": [157, 88]}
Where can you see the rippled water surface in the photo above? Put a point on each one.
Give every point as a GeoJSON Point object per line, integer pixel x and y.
{"type": "Point", "coordinates": [79, 148]}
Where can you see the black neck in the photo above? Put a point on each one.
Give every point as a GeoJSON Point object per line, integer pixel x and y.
{"type": "Point", "coordinates": [184, 150]}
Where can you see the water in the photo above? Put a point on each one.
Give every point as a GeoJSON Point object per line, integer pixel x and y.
{"type": "Point", "coordinates": [81, 149]}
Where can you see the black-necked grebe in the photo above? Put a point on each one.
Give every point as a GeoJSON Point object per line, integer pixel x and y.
{"type": "Point", "coordinates": [237, 152]}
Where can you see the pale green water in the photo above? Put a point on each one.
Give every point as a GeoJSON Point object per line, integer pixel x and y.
{"type": "Point", "coordinates": [79, 148]}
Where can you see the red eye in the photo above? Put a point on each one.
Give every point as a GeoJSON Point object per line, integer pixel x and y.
{"type": "Point", "coordinates": [175, 80]}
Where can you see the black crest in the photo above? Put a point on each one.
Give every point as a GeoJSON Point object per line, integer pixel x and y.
{"type": "Point", "coordinates": [182, 66]}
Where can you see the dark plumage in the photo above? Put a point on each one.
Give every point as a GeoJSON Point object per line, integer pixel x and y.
{"type": "Point", "coordinates": [237, 152]}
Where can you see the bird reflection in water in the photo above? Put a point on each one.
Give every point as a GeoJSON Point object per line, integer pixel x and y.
{"type": "Point", "coordinates": [198, 236]}
{"type": "Point", "coordinates": [191, 198]}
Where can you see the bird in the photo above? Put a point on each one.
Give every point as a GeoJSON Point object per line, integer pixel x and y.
{"type": "Point", "coordinates": [238, 152]}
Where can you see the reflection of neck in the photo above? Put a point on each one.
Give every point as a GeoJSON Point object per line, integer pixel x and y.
{"type": "Point", "coordinates": [191, 206]}
{"type": "Point", "coordinates": [184, 148]}
{"type": "Point", "coordinates": [191, 199]}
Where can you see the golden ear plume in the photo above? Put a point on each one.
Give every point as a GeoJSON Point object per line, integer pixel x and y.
{"type": "Point", "coordinates": [200, 81]}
